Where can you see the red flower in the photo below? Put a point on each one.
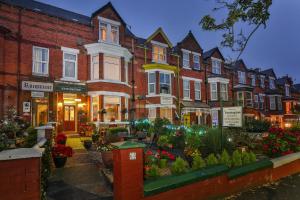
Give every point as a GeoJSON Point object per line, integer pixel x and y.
{"type": "Point", "coordinates": [62, 151]}
{"type": "Point", "coordinates": [61, 138]}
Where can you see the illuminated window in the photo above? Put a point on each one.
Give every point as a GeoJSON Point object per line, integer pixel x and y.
{"type": "Point", "coordinates": [152, 113]}
{"type": "Point", "coordinates": [112, 105]}
{"type": "Point", "coordinates": [159, 54]}
{"type": "Point", "coordinates": [95, 108]}
{"type": "Point", "coordinates": [166, 113]}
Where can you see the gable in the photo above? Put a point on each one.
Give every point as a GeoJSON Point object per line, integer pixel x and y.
{"type": "Point", "coordinates": [160, 36]}
{"type": "Point", "coordinates": [240, 65]}
{"type": "Point", "coordinates": [190, 43]}
{"type": "Point", "coordinates": [109, 12]}
{"type": "Point", "coordinates": [217, 54]}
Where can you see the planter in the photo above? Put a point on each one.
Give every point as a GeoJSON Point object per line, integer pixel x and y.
{"type": "Point", "coordinates": [60, 161]}
{"type": "Point", "coordinates": [87, 144]}
{"type": "Point", "coordinates": [107, 159]}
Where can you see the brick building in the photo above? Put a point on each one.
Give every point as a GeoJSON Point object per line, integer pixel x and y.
{"type": "Point", "coordinates": [57, 65]}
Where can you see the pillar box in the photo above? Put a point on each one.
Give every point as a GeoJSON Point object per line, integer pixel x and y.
{"type": "Point", "coordinates": [128, 170]}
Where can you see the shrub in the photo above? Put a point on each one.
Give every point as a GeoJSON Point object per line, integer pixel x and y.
{"type": "Point", "coordinates": [246, 158]}
{"type": "Point", "coordinates": [163, 141]}
{"type": "Point", "coordinates": [179, 166]}
{"type": "Point", "coordinates": [113, 134]}
{"type": "Point", "coordinates": [152, 171]}
{"type": "Point", "coordinates": [31, 139]}
{"type": "Point", "coordinates": [253, 125]}
{"type": "Point", "coordinates": [46, 169]}
{"type": "Point", "coordinates": [252, 157]}
{"type": "Point", "coordinates": [237, 159]}
{"type": "Point", "coordinates": [160, 126]}
{"type": "Point", "coordinates": [95, 137]}
{"type": "Point", "coordinates": [225, 159]}
{"type": "Point", "coordinates": [177, 139]}
{"type": "Point", "coordinates": [143, 125]}
{"type": "Point", "coordinates": [211, 160]}
{"type": "Point", "coordinates": [163, 163]}
{"type": "Point", "coordinates": [198, 162]}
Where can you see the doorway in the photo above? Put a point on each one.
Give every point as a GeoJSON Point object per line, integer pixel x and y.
{"type": "Point", "coordinates": [69, 117]}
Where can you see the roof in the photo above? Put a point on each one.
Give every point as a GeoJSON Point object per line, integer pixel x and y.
{"type": "Point", "coordinates": [49, 10]}
{"type": "Point", "coordinates": [159, 30]}
{"type": "Point", "coordinates": [109, 4]}
{"type": "Point", "coordinates": [283, 80]}
{"type": "Point", "coordinates": [189, 35]}
{"type": "Point", "coordinates": [269, 72]}
{"type": "Point", "coordinates": [210, 52]}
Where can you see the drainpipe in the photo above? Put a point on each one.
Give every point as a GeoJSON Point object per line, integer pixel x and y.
{"type": "Point", "coordinates": [132, 82]}
{"type": "Point", "coordinates": [205, 82]}
{"type": "Point", "coordinates": [19, 39]}
{"type": "Point", "coordinates": [178, 90]}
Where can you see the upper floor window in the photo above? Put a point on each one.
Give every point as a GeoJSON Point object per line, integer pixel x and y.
{"type": "Point", "coordinates": [112, 68]}
{"type": "Point", "coordinates": [256, 101]}
{"type": "Point", "coordinates": [159, 54]}
{"type": "Point", "coordinates": [165, 83]}
{"type": "Point", "coordinates": [196, 60]}
{"type": "Point", "coordinates": [213, 91]}
{"type": "Point", "coordinates": [261, 101]}
{"type": "Point", "coordinates": [40, 61]}
{"type": "Point", "coordinates": [242, 77]}
{"type": "Point", "coordinates": [262, 81]}
{"type": "Point", "coordinates": [253, 80]}
{"type": "Point", "coordinates": [186, 59]}
{"type": "Point", "coordinates": [151, 83]}
{"type": "Point", "coordinates": [272, 102]}
{"type": "Point", "coordinates": [287, 90]}
{"type": "Point", "coordinates": [109, 30]}
{"type": "Point", "coordinates": [95, 67]}
{"type": "Point", "coordinates": [216, 66]}
{"type": "Point", "coordinates": [272, 83]}
{"type": "Point", "coordinates": [248, 99]}
{"type": "Point", "coordinates": [224, 91]}
{"type": "Point", "coordinates": [70, 63]}
{"type": "Point", "coordinates": [186, 89]}
{"type": "Point", "coordinates": [197, 90]}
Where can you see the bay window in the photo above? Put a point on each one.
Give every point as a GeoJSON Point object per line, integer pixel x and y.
{"type": "Point", "coordinates": [185, 59]}
{"type": "Point", "coordinates": [165, 83]}
{"type": "Point", "coordinates": [186, 89]}
{"type": "Point", "coordinates": [112, 106]}
{"type": "Point", "coordinates": [248, 99]}
{"type": "Point", "coordinates": [272, 102]}
{"type": "Point", "coordinates": [40, 61]}
{"type": "Point", "coordinates": [216, 66]}
{"type": "Point", "coordinates": [197, 86]}
{"type": "Point", "coordinates": [151, 83]}
{"type": "Point", "coordinates": [213, 91]}
{"type": "Point", "coordinates": [112, 68]}
{"type": "Point", "coordinates": [95, 67]}
{"type": "Point", "coordinates": [159, 54]}
{"type": "Point", "coordinates": [196, 60]}
{"type": "Point", "coordinates": [224, 91]}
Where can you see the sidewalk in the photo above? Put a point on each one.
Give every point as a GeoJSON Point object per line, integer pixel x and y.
{"type": "Point", "coordinates": [80, 179]}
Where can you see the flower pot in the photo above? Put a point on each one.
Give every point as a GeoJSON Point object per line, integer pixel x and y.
{"type": "Point", "coordinates": [59, 161]}
{"type": "Point", "coordinates": [87, 144]}
{"type": "Point", "coordinates": [107, 159]}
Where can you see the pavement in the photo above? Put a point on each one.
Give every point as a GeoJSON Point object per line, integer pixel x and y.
{"type": "Point", "coordinates": [80, 179]}
{"type": "Point", "coordinates": [286, 189]}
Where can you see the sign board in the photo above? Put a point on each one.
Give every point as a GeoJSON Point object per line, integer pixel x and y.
{"type": "Point", "coordinates": [132, 156]}
{"type": "Point", "coordinates": [37, 86]}
{"type": "Point", "coordinates": [166, 100]}
{"type": "Point", "coordinates": [187, 120]}
{"type": "Point", "coordinates": [26, 107]}
{"type": "Point", "coordinates": [36, 94]}
{"type": "Point", "coordinates": [70, 88]}
{"type": "Point", "coordinates": [232, 116]}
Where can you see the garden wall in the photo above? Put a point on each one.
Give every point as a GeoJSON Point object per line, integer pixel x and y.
{"type": "Point", "coordinates": [211, 182]}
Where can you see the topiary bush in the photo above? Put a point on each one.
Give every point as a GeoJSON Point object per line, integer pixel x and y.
{"type": "Point", "coordinates": [252, 157]}
{"type": "Point", "coordinates": [198, 162]}
{"type": "Point", "coordinates": [237, 159]}
{"type": "Point", "coordinates": [211, 160]}
{"type": "Point", "coordinates": [225, 159]}
{"type": "Point", "coordinates": [179, 166]}
{"type": "Point", "coordinates": [246, 158]}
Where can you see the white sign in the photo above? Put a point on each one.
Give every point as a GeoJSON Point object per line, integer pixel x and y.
{"type": "Point", "coordinates": [26, 107]}
{"type": "Point", "coordinates": [132, 156]}
{"type": "Point", "coordinates": [35, 94]}
{"type": "Point", "coordinates": [166, 100]}
{"type": "Point", "coordinates": [232, 116]}
{"type": "Point", "coordinates": [37, 86]}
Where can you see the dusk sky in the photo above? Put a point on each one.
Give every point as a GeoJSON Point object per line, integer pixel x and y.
{"type": "Point", "coordinates": [277, 46]}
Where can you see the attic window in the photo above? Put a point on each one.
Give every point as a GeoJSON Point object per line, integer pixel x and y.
{"type": "Point", "coordinates": [108, 30]}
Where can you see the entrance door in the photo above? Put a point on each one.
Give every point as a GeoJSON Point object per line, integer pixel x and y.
{"type": "Point", "coordinates": [69, 118]}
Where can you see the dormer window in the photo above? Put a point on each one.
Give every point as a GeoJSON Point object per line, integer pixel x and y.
{"type": "Point", "coordinates": [196, 60]}
{"type": "Point", "coordinates": [242, 77]}
{"type": "Point", "coordinates": [253, 80]}
{"type": "Point", "coordinates": [108, 30]}
{"type": "Point", "coordinates": [159, 53]}
{"type": "Point", "coordinates": [216, 66]}
{"type": "Point", "coordinates": [272, 83]}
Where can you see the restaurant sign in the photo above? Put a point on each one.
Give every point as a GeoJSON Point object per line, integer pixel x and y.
{"type": "Point", "coordinates": [37, 86]}
{"type": "Point", "coordinates": [70, 87]}
{"type": "Point", "coordinates": [232, 116]}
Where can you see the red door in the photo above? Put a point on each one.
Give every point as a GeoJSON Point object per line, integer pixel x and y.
{"type": "Point", "coordinates": [69, 118]}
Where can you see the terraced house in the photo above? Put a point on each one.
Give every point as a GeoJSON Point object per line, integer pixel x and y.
{"type": "Point", "coordinates": [64, 67]}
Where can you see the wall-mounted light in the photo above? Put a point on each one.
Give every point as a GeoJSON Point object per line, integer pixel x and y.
{"type": "Point", "coordinates": [59, 104]}
{"type": "Point", "coordinates": [287, 125]}
{"type": "Point", "coordinates": [78, 100]}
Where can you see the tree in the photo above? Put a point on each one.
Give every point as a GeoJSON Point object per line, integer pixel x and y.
{"type": "Point", "coordinates": [255, 13]}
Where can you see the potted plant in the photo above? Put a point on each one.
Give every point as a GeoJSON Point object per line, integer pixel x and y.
{"type": "Point", "coordinates": [61, 139]}
{"type": "Point", "coordinates": [60, 153]}
{"type": "Point", "coordinates": [87, 144]}
{"type": "Point", "coordinates": [106, 154]}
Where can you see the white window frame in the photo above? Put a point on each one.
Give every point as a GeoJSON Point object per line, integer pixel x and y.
{"type": "Point", "coordinates": [120, 103]}
{"type": "Point", "coordinates": [197, 90]}
{"type": "Point", "coordinates": [242, 77]}
{"type": "Point", "coordinates": [70, 51]}
{"type": "Point", "coordinates": [248, 100]}
{"type": "Point", "coordinates": [151, 111]}
{"type": "Point", "coordinates": [92, 108]}
{"type": "Point", "coordinates": [196, 55]}
{"type": "Point", "coordinates": [164, 48]}
{"type": "Point", "coordinates": [109, 23]}
{"type": "Point", "coordinates": [224, 92]}
{"type": "Point", "coordinates": [213, 91]}
{"type": "Point", "coordinates": [170, 84]}
{"type": "Point", "coordinates": [242, 100]}
{"type": "Point", "coordinates": [46, 73]}
{"type": "Point", "coordinates": [272, 83]}
{"type": "Point", "coordinates": [186, 61]}
{"type": "Point", "coordinates": [272, 101]}
{"type": "Point", "coordinates": [92, 67]}
{"type": "Point", "coordinates": [126, 72]}
{"type": "Point", "coordinates": [186, 90]}
{"type": "Point", "coordinates": [262, 81]}
{"type": "Point", "coordinates": [216, 69]}
{"type": "Point", "coordinates": [120, 68]}
{"type": "Point", "coordinates": [256, 102]}
{"type": "Point", "coordinates": [253, 80]}
{"type": "Point", "coordinates": [154, 92]}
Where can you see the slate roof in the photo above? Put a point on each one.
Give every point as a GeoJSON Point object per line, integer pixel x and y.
{"type": "Point", "coordinates": [269, 72]}
{"type": "Point", "coordinates": [210, 52]}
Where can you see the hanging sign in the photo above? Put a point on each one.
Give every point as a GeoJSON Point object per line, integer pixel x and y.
{"type": "Point", "coordinates": [37, 86]}
{"type": "Point", "coordinates": [232, 116]}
